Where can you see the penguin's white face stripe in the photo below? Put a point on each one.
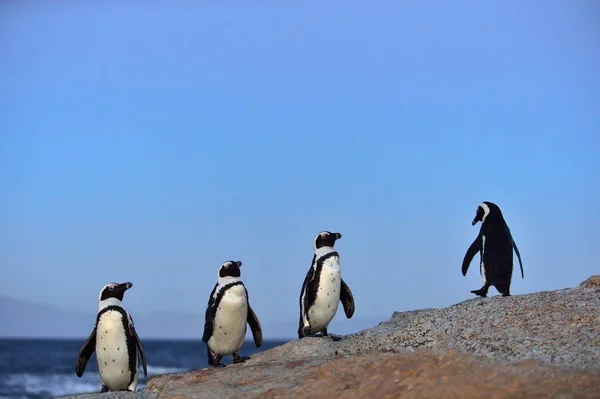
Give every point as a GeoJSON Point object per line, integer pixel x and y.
{"type": "Point", "coordinates": [226, 265]}
{"type": "Point", "coordinates": [486, 211]}
{"type": "Point", "coordinates": [111, 286]}
{"type": "Point", "coordinates": [322, 234]}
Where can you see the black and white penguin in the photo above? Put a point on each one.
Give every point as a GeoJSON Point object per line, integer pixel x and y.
{"type": "Point", "coordinates": [495, 245]}
{"type": "Point", "coordinates": [115, 342]}
{"type": "Point", "coordinates": [227, 314]}
{"type": "Point", "coordinates": [323, 288]}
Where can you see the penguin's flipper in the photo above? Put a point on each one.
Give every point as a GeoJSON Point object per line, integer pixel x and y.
{"type": "Point", "coordinates": [308, 294]}
{"type": "Point", "coordinates": [209, 316]}
{"type": "Point", "coordinates": [516, 251]}
{"type": "Point", "coordinates": [88, 347]}
{"type": "Point", "coordinates": [252, 320]}
{"type": "Point", "coordinates": [311, 288]}
{"type": "Point", "coordinates": [255, 327]}
{"type": "Point", "coordinates": [519, 257]}
{"type": "Point", "coordinates": [473, 249]}
{"type": "Point", "coordinates": [208, 324]}
{"type": "Point", "coordinates": [347, 299]}
{"type": "Point", "coordinates": [140, 348]}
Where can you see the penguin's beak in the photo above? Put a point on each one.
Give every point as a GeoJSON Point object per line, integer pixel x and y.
{"type": "Point", "coordinates": [478, 217]}
{"type": "Point", "coordinates": [126, 286]}
{"type": "Point", "coordinates": [338, 236]}
{"type": "Point", "coordinates": [239, 263]}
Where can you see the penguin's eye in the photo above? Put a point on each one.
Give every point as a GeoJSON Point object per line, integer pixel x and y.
{"type": "Point", "coordinates": [226, 265]}
{"type": "Point", "coordinates": [323, 235]}
{"type": "Point", "coordinates": [111, 288]}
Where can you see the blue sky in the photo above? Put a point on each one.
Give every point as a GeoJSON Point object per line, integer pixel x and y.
{"type": "Point", "coordinates": [150, 143]}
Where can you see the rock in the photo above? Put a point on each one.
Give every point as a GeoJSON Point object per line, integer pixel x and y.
{"type": "Point", "coordinates": [422, 374]}
{"type": "Point", "coordinates": [592, 282]}
{"type": "Point", "coordinates": [543, 345]}
{"type": "Point", "coordinates": [555, 327]}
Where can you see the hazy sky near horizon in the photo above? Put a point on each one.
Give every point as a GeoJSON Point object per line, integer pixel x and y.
{"type": "Point", "coordinates": [151, 142]}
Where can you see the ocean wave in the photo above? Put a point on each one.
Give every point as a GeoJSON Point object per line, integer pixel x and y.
{"type": "Point", "coordinates": [67, 384]}
{"type": "Point", "coordinates": [54, 384]}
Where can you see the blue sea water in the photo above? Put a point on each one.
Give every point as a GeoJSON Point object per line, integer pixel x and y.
{"type": "Point", "coordinates": [44, 368]}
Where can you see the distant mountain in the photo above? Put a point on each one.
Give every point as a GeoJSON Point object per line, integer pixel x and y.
{"type": "Point", "coordinates": [26, 319]}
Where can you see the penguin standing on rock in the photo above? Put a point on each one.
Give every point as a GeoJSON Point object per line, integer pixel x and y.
{"type": "Point", "coordinates": [115, 342]}
{"type": "Point", "coordinates": [495, 245]}
{"type": "Point", "coordinates": [227, 314]}
{"type": "Point", "coordinates": [323, 288]}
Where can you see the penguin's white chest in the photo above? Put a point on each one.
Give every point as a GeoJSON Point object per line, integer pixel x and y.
{"type": "Point", "coordinates": [112, 352]}
{"type": "Point", "coordinates": [229, 327]}
{"type": "Point", "coordinates": [326, 304]}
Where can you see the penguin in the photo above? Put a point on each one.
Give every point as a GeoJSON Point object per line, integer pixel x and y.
{"type": "Point", "coordinates": [495, 245]}
{"type": "Point", "coordinates": [323, 288]}
{"type": "Point", "coordinates": [227, 313]}
{"type": "Point", "coordinates": [115, 342]}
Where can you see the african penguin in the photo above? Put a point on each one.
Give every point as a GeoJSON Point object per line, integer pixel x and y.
{"type": "Point", "coordinates": [227, 313]}
{"type": "Point", "coordinates": [115, 342]}
{"type": "Point", "coordinates": [323, 288]}
{"type": "Point", "coordinates": [495, 245]}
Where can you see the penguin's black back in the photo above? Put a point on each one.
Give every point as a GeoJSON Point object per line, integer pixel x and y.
{"type": "Point", "coordinates": [497, 253]}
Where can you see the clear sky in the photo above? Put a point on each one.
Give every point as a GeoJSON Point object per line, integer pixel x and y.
{"type": "Point", "coordinates": [151, 142]}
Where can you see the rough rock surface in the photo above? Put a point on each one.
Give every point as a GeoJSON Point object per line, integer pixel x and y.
{"type": "Point", "coordinates": [543, 345]}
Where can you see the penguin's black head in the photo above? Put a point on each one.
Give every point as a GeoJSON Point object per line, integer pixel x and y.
{"type": "Point", "coordinates": [485, 211]}
{"type": "Point", "coordinates": [230, 268]}
{"type": "Point", "coordinates": [326, 239]}
{"type": "Point", "coordinates": [114, 290]}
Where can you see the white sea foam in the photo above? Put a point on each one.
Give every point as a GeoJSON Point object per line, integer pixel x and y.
{"type": "Point", "coordinates": [157, 370]}
{"type": "Point", "coordinates": [65, 384]}
{"type": "Point", "coordinates": [55, 384]}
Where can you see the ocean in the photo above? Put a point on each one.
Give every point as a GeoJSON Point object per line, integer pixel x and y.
{"type": "Point", "coordinates": [44, 368]}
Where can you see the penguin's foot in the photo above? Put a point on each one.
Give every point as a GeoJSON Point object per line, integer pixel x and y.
{"type": "Point", "coordinates": [482, 292]}
{"type": "Point", "coordinates": [214, 359]}
{"type": "Point", "coordinates": [336, 337]}
{"type": "Point", "coordinates": [323, 333]}
{"type": "Point", "coordinates": [239, 359]}
{"type": "Point", "coordinates": [306, 331]}
{"type": "Point", "coordinates": [104, 389]}
{"type": "Point", "coordinates": [506, 294]}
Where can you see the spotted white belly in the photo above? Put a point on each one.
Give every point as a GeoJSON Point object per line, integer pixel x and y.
{"type": "Point", "coordinates": [111, 353]}
{"type": "Point", "coordinates": [229, 327]}
{"type": "Point", "coordinates": [326, 304]}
